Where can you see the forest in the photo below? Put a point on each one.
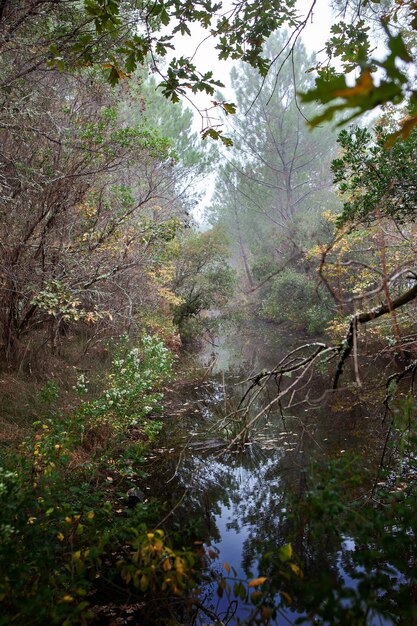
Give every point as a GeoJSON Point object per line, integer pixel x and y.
{"type": "Point", "coordinates": [208, 297]}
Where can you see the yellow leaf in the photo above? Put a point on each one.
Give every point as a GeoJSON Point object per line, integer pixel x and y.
{"type": "Point", "coordinates": [226, 567]}
{"type": "Point", "coordinates": [257, 581]}
{"type": "Point", "coordinates": [407, 124]}
{"type": "Point", "coordinates": [286, 596]}
{"type": "Point", "coordinates": [68, 598]}
{"type": "Point", "coordinates": [297, 571]}
{"type": "Point", "coordinates": [166, 565]}
{"type": "Point", "coordinates": [158, 545]}
{"type": "Point", "coordinates": [364, 85]}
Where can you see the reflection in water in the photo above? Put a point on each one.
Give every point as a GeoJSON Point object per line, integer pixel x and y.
{"type": "Point", "coordinates": [241, 501]}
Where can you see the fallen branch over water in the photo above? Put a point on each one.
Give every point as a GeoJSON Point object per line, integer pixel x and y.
{"type": "Point", "coordinates": [347, 345]}
{"type": "Point", "coordinates": [259, 383]}
{"type": "Point", "coordinates": [301, 360]}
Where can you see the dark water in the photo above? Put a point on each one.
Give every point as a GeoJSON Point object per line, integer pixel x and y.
{"type": "Point", "coordinates": [241, 501]}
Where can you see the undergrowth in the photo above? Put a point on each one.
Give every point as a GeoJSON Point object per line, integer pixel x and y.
{"type": "Point", "coordinates": [69, 539]}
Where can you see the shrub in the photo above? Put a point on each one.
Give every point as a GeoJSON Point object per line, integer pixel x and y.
{"type": "Point", "coordinates": [291, 297]}
{"type": "Point", "coordinates": [129, 396]}
{"type": "Point", "coordinates": [64, 528]}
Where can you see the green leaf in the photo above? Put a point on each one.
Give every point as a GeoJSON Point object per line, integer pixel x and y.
{"type": "Point", "coordinates": [131, 63]}
{"type": "Point", "coordinates": [398, 48]}
{"type": "Point", "coordinates": [144, 583]}
{"type": "Point", "coordinates": [210, 132]}
{"type": "Point", "coordinates": [217, 135]}
{"type": "Point", "coordinates": [229, 107]}
{"type": "Point", "coordinates": [165, 19]}
{"type": "Point", "coordinates": [285, 553]}
{"type": "Point", "coordinates": [113, 77]}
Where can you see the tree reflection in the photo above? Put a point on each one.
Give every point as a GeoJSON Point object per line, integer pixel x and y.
{"type": "Point", "coordinates": [306, 480]}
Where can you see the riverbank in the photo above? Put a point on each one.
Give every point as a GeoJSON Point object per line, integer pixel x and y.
{"type": "Point", "coordinates": [81, 540]}
{"type": "Point", "coordinates": [135, 494]}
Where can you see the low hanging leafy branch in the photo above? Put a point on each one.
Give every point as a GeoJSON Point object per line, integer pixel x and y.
{"type": "Point", "coordinates": [380, 79]}
{"type": "Point", "coordinates": [120, 36]}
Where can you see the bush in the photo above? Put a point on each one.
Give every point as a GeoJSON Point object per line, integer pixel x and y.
{"type": "Point", "coordinates": [129, 396]}
{"type": "Point", "coordinates": [291, 297]}
{"type": "Point", "coordinates": [64, 527]}
{"type": "Point", "coordinates": [203, 279]}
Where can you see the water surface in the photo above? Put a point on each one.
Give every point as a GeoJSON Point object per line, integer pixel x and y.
{"type": "Point", "coordinates": [241, 501]}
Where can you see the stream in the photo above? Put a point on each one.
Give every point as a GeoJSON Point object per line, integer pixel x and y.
{"type": "Point", "coordinates": [240, 501]}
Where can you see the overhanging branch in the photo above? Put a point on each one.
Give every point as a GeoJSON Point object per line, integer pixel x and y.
{"type": "Point", "coordinates": [364, 318]}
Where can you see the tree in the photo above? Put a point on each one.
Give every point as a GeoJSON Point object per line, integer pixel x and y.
{"type": "Point", "coordinates": [88, 205]}
{"type": "Point", "coordinates": [203, 279]}
{"type": "Point", "coordinates": [175, 122]}
{"type": "Point", "coordinates": [373, 180]}
{"type": "Point", "coordinates": [271, 193]}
